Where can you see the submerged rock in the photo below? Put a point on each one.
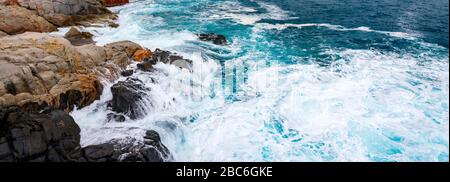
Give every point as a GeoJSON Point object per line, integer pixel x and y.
{"type": "Point", "coordinates": [214, 38]}
{"type": "Point", "coordinates": [127, 96]}
{"type": "Point", "coordinates": [115, 117]}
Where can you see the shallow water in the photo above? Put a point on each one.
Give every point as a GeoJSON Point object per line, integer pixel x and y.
{"type": "Point", "coordinates": [298, 81]}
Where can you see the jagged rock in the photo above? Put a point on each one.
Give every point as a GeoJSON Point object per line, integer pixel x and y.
{"type": "Point", "coordinates": [166, 57]}
{"type": "Point", "coordinates": [126, 97]}
{"type": "Point", "coordinates": [115, 117]}
{"type": "Point", "coordinates": [16, 19]}
{"type": "Point", "coordinates": [77, 37]}
{"type": "Point", "coordinates": [52, 136]}
{"type": "Point", "coordinates": [124, 46]}
{"type": "Point", "coordinates": [214, 38]}
{"type": "Point", "coordinates": [132, 150]}
{"type": "Point", "coordinates": [99, 153]}
{"type": "Point", "coordinates": [63, 13]}
{"type": "Point", "coordinates": [40, 71]}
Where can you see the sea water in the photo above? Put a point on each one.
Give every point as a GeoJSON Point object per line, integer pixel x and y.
{"type": "Point", "coordinates": [299, 80]}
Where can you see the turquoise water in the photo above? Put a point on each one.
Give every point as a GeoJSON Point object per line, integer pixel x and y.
{"type": "Point", "coordinates": [299, 80]}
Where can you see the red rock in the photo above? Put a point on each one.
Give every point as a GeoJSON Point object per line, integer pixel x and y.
{"type": "Point", "coordinates": [109, 3]}
{"type": "Point", "coordinates": [141, 54]}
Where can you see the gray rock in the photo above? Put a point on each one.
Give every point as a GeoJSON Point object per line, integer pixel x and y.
{"type": "Point", "coordinates": [214, 38]}
{"type": "Point", "coordinates": [126, 97]}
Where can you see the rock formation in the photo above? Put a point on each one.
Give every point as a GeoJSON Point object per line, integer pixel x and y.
{"type": "Point", "coordinates": [55, 137]}
{"type": "Point", "coordinates": [214, 38]}
{"type": "Point", "coordinates": [77, 37]}
{"type": "Point", "coordinates": [16, 19]}
{"type": "Point", "coordinates": [39, 70]}
{"type": "Point", "coordinates": [126, 97]}
{"type": "Point", "coordinates": [46, 15]}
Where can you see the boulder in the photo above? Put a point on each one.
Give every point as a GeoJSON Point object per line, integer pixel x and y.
{"type": "Point", "coordinates": [40, 71]}
{"type": "Point", "coordinates": [16, 20]}
{"type": "Point", "coordinates": [214, 38]}
{"type": "Point", "coordinates": [133, 150]}
{"type": "Point", "coordinates": [127, 96]}
{"type": "Point", "coordinates": [51, 136]}
{"type": "Point", "coordinates": [166, 57]}
{"type": "Point", "coordinates": [77, 37]}
{"type": "Point", "coordinates": [112, 117]}
{"type": "Point", "coordinates": [141, 54]}
{"type": "Point", "coordinates": [64, 13]}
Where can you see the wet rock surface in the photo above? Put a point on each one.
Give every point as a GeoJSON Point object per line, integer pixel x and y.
{"type": "Point", "coordinates": [112, 117]}
{"type": "Point", "coordinates": [54, 136]}
{"type": "Point", "coordinates": [214, 38]}
{"type": "Point", "coordinates": [166, 57]}
{"type": "Point", "coordinates": [127, 97]}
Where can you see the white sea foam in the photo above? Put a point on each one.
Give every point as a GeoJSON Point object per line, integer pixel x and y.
{"type": "Point", "coordinates": [246, 15]}
{"type": "Point", "coordinates": [367, 106]}
{"type": "Point", "coordinates": [337, 28]}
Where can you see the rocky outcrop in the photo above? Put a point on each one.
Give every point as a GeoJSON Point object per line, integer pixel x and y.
{"type": "Point", "coordinates": [55, 137]}
{"type": "Point", "coordinates": [16, 19]}
{"type": "Point", "coordinates": [110, 3]}
{"type": "Point", "coordinates": [130, 150]}
{"type": "Point", "coordinates": [126, 97]}
{"type": "Point", "coordinates": [48, 136]}
{"type": "Point", "coordinates": [131, 97]}
{"type": "Point", "coordinates": [77, 37]}
{"type": "Point", "coordinates": [19, 16]}
{"type": "Point", "coordinates": [65, 12]}
{"type": "Point", "coordinates": [214, 38]}
{"type": "Point", "coordinates": [166, 57]}
{"type": "Point", "coordinates": [39, 70]}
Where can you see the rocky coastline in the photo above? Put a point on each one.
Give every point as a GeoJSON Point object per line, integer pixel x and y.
{"type": "Point", "coordinates": [43, 77]}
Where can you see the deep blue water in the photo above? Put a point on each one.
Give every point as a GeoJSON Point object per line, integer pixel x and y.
{"type": "Point", "coordinates": [299, 80]}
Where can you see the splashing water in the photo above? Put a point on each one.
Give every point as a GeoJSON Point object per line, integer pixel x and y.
{"type": "Point", "coordinates": [282, 89]}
